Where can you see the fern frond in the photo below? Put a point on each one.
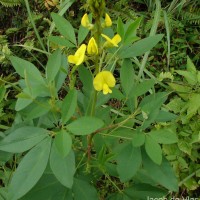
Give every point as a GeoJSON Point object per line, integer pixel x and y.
{"type": "Point", "coordinates": [10, 3]}
{"type": "Point", "coordinates": [192, 16]}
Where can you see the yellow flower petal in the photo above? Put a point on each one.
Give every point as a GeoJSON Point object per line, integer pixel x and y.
{"type": "Point", "coordinates": [85, 20]}
{"type": "Point", "coordinates": [79, 55]}
{"type": "Point", "coordinates": [92, 47]}
{"type": "Point", "coordinates": [116, 39]}
{"type": "Point", "coordinates": [112, 42]}
{"type": "Point", "coordinates": [103, 81]}
{"type": "Point", "coordinates": [106, 89]}
{"type": "Point", "coordinates": [108, 21]}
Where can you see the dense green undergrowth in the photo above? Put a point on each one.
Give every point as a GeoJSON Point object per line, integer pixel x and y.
{"type": "Point", "coordinates": [62, 136]}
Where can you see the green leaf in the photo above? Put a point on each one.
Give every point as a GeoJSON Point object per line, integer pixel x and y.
{"type": "Point", "coordinates": [190, 66]}
{"type": "Point", "coordinates": [164, 136]}
{"type": "Point", "coordinates": [142, 88]}
{"type": "Point", "coordinates": [36, 109]}
{"type": "Point", "coordinates": [22, 103]}
{"type": "Point", "coordinates": [63, 142]}
{"type": "Point", "coordinates": [162, 174]}
{"type": "Point", "coordinates": [53, 65]}
{"type": "Point", "coordinates": [23, 67]}
{"type": "Point", "coordinates": [131, 31]}
{"type": "Point", "coordinates": [85, 125]}
{"type": "Point", "coordinates": [48, 188]}
{"type": "Point", "coordinates": [84, 191]}
{"type": "Point", "coordinates": [138, 139]}
{"type": "Point", "coordinates": [164, 116]}
{"type": "Point", "coordinates": [193, 105]}
{"type": "Point", "coordinates": [62, 167]}
{"type": "Point", "coordinates": [140, 47]}
{"type": "Point", "coordinates": [23, 139]}
{"type": "Point", "coordinates": [127, 76]}
{"type": "Point", "coordinates": [69, 105]}
{"type": "Point", "coordinates": [30, 169]}
{"type": "Point", "coordinates": [189, 76]}
{"type": "Point", "coordinates": [153, 150]}
{"type": "Point", "coordinates": [142, 191]}
{"type": "Point", "coordinates": [61, 41]}
{"type": "Point", "coordinates": [64, 27]}
{"type": "Point", "coordinates": [82, 34]}
{"type": "Point", "coordinates": [87, 80]}
{"type": "Point", "coordinates": [62, 74]}
{"type": "Point", "coordinates": [128, 162]}
{"type": "Point", "coordinates": [120, 27]}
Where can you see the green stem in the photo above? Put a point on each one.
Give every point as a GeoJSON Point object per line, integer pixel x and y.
{"type": "Point", "coordinates": [33, 24]}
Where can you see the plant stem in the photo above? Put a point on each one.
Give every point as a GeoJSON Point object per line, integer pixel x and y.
{"type": "Point", "coordinates": [33, 24]}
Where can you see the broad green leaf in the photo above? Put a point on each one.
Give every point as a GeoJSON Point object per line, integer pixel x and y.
{"type": "Point", "coordinates": [85, 125]}
{"type": "Point", "coordinates": [193, 105]}
{"type": "Point", "coordinates": [30, 170]}
{"type": "Point", "coordinates": [23, 67]}
{"type": "Point", "coordinates": [127, 76]}
{"type": "Point", "coordinates": [131, 31]}
{"type": "Point", "coordinates": [69, 105]}
{"type": "Point", "coordinates": [87, 80]}
{"type": "Point", "coordinates": [164, 136]}
{"type": "Point", "coordinates": [142, 191]}
{"type": "Point", "coordinates": [62, 74]}
{"type": "Point", "coordinates": [190, 66]}
{"type": "Point", "coordinates": [182, 90]}
{"type": "Point", "coordinates": [164, 116]}
{"type": "Point", "coordinates": [84, 191]}
{"type": "Point", "coordinates": [128, 162]}
{"type": "Point", "coordinates": [64, 27]}
{"type": "Point", "coordinates": [120, 27]}
{"type": "Point", "coordinates": [162, 174]}
{"type": "Point", "coordinates": [22, 103]}
{"type": "Point", "coordinates": [138, 139]}
{"type": "Point", "coordinates": [48, 188]}
{"type": "Point", "coordinates": [153, 101]}
{"type": "Point", "coordinates": [23, 139]}
{"type": "Point", "coordinates": [63, 142]}
{"type": "Point", "coordinates": [36, 109]}
{"type": "Point", "coordinates": [62, 167]}
{"type": "Point", "coordinates": [189, 76]}
{"type": "Point", "coordinates": [61, 41]}
{"type": "Point", "coordinates": [53, 65]}
{"type": "Point", "coordinates": [118, 196]}
{"type": "Point", "coordinates": [153, 150]}
{"type": "Point", "coordinates": [82, 34]}
{"type": "Point", "coordinates": [142, 88]}
{"type": "Point", "coordinates": [140, 47]}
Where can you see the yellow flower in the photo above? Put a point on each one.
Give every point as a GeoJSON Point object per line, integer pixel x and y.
{"type": "Point", "coordinates": [108, 21]}
{"type": "Point", "coordinates": [85, 22]}
{"type": "Point", "coordinates": [103, 81]}
{"type": "Point", "coordinates": [79, 55]}
{"type": "Point", "coordinates": [112, 42]}
{"type": "Point", "coordinates": [92, 47]}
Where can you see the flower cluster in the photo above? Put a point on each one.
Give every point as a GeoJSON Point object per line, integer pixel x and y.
{"type": "Point", "coordinates": [105, 79]}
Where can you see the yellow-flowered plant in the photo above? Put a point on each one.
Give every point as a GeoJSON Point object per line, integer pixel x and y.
{"type": "Point", "coordinates": [85, 22]}
{"type": "Point", "coordinates": [92, 48]}
{"type": "Point", "coordinates": [108, 21]}
{"type": "Point", "coordinates": [112, 42]}
{"type": "Point", "coordinates": [79, 56]}
{"type": "Point", "coordinates": [103, 81]}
